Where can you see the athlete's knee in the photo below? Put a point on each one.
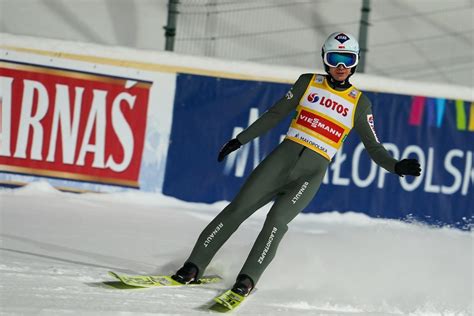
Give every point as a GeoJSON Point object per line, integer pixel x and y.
{"type": "Point", "coordinates": [280, 219]}
{"type": "Point", "coordinates": [278, 226]}
{"type": "Point", "coordinates": [231, 214]}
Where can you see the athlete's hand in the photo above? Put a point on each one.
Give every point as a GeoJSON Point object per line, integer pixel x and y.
{"type": "Point", "coordinates": [231, 145]}
{"type": "Point", "coordinates": [409, 167]}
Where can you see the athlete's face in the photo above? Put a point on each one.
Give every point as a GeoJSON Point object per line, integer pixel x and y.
{"type": "Point", "coordinates": [340, 73]}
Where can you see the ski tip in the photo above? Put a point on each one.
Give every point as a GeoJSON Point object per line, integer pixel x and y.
{"type": "Point", "coordinates": [113, 274]}
{"type": "Point", "coordinates": [229, 300]}
{"type": "Point", "coordinates": [218, 307]}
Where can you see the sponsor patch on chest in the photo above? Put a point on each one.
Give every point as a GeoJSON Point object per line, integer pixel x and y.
{"type": "Point", "coordinates": [320, 125]}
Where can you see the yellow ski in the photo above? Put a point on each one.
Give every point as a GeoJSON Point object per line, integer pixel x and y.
{"type": "Point", "coordinates": [146, 281]}
{"type": "Point", "coordinates": [227, 301]}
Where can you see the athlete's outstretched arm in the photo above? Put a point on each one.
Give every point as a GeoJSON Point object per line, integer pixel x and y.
{"type": "Point", "coordinates": [363, 124]}
{"type": "Point", "coordinates": [277, 112]}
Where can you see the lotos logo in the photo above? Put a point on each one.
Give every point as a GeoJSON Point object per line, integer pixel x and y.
{"type": "Point", "coordinates": [341, 38]}
{"type": "Point", "coordinates": [313, 97]}
{"type": "Point", "coordinates": [335, 106]}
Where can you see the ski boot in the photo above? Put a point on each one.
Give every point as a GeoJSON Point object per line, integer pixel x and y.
{"type": "Point", "coordinates": [187, 274]}
{"type": "Point", "coordinates": [243, 286]}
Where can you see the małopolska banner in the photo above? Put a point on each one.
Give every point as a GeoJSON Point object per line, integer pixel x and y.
{"type": "Point", "coordinates": [439, 133]}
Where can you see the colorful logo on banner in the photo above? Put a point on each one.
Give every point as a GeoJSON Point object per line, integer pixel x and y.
{"type": "Point", "coordinates": [434, 111]}
{"type": "Point", "coordinates": [71, 125]}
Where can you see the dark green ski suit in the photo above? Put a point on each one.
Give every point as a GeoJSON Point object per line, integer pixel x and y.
{"type": "Point", "coordinates": [290, 175]}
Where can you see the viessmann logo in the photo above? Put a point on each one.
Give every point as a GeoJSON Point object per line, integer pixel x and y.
{"type": "Point", "coordinates": [320, 125]}
{"type": "Point", "coordinates": [70, 124]}
{"type": "Point", "coordinates": [432, 111]}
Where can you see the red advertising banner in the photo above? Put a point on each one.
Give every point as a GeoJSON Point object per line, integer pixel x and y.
{"type": "Point", "coordinates": [72, 125]}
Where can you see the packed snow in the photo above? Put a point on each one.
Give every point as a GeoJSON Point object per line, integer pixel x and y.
{"type": "Point", "coordinates": [56, 249]}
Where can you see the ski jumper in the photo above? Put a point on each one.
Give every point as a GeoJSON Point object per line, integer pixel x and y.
{"type": "Point", "coordinates": [292, 173]}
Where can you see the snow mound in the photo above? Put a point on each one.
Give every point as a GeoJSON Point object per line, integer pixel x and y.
{"type": "Point", "coordinates": [35, 188]}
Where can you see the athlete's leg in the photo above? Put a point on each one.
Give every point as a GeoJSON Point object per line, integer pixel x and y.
{"type": "Point", "coordinates": [259, 189]}
{"type": "Point", "coordinates": [295, 197]}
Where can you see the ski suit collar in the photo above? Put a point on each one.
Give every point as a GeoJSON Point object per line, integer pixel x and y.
{"type": "Point", "coordinates": [338, 85]}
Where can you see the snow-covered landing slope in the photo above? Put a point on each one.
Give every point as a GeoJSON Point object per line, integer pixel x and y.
{"type": "Point", "coordinates": [56, 249]}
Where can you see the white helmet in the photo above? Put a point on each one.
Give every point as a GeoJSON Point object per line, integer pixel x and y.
{"type": "Point", "coordinates": [340, 48]}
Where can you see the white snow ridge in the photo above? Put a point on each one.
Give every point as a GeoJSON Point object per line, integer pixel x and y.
{"type": "Point", "coordinates": [56, 249]}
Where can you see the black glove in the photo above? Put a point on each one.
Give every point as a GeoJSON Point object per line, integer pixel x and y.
{"type": "Point", "coordinates": [409, 167]}
{"type": "Point", "coordinates": [231, 145]}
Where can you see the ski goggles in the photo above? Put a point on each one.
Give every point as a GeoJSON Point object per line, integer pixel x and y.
{"type": "Point", "coordinates": [334, 59]}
